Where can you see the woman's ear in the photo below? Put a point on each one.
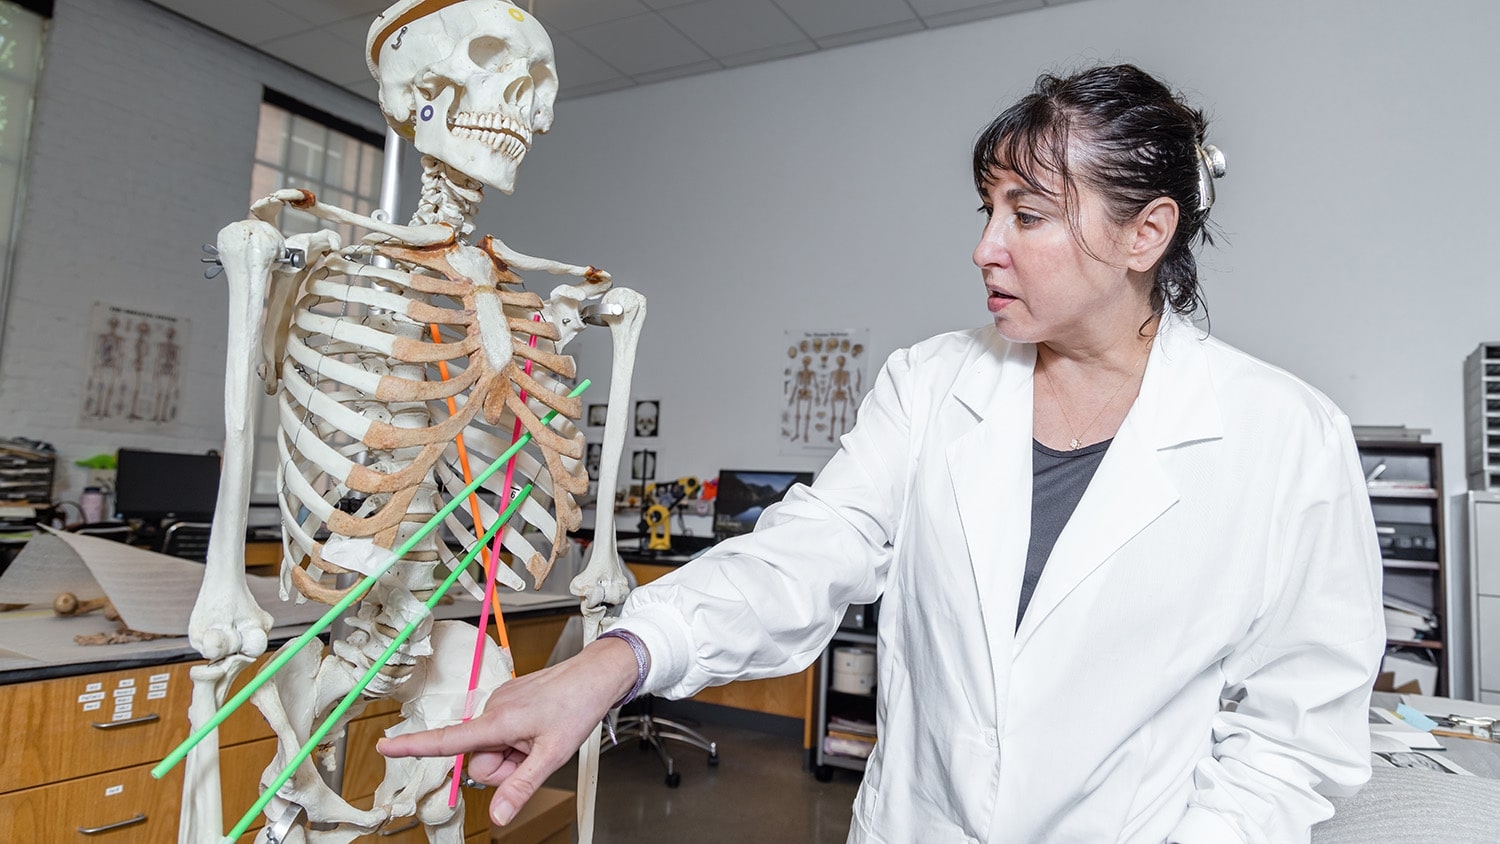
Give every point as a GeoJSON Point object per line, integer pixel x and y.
{"type": "Point", "coordinates": [1152, 233]}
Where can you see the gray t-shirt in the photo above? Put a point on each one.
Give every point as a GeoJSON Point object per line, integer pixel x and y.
{"type": "Point", "coordinates": [1058, 479]}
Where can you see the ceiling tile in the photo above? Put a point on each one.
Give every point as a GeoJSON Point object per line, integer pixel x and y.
{"type": "Point", "coordinates": [769, 53]}
{"type": "Point", "coordinates": [320, 12]}
{"type": "Point", "coordinates": [639, 45]}
{"type": "Point", "coordinates": [568, 15]}
{"type": "Point", "coordinates": [569, 93]}
{"type": "Point", "coordinates": [987, 10]}
{"type": "Point", "coordinates": [822, 18]}
{"type": "Point", "coordinates": [354, 30]}
{"type": "Point", "coordinates": [730, 27]}
{"type": "Point", "coordinates": [667, 4]}
{"type": "Point", "coordinates": [871, 34]}
{"type": "Point", "coordinates": [681, 70]}
{"type": "Point", "coordinates": [928, 8]}
{"type": "Point", "coordinates": [310, 51]}
{"type": "Point", "coordinates": [577, 66]}
{"type": "Point", "coordinates": [366, 88]}
{"type": "Point", "coordinates": [251, 23]}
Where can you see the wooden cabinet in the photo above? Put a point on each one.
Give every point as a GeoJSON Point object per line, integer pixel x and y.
{"type": "Point", "coordinates": [1405, 480]}
{"type": "Point", "coordinates": [78, 751]}
{"type": "Point", "coordinates": [76, 762]}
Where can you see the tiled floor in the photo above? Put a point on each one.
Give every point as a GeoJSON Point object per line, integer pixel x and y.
{"type": "Point", "coordinates": [759, 792]}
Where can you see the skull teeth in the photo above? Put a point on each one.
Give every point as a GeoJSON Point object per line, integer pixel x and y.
{"type": "Point", "coordinates": [495, 121]}
{"type": "Point", "coordinates": [495, 139]}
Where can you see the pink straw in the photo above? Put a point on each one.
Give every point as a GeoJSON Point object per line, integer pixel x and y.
{"type": "Point", "coordinates": [489, 593]}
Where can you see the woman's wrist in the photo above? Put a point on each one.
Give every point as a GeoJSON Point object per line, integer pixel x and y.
{"type": "Point", "coordinates": [640, 659]}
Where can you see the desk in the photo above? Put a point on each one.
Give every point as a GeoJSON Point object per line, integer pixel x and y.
{"type": "Point", "coordinates": [1410, 805]}
{"type": "Point", "coordinates": [790, 696]}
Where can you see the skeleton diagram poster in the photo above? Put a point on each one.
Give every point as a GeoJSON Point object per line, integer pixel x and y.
{"type": "Point", "coordinates": [823, 380]}
{"type": "Point", "coordinates": [134, 369]}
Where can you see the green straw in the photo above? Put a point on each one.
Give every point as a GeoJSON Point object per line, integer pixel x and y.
{"type": "Point", "coordinates": [348, 701]}
{"type": "Point", "coordinates": [357, 592]}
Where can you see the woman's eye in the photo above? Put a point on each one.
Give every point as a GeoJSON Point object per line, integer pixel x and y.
{"type": "Point", "coordinates": [987, 211]}
{"type": "Point", "coordinates": [1027, 220]}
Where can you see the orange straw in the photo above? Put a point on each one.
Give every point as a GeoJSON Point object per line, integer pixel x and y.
{"type": "Point", "coordinates": [463, 459]}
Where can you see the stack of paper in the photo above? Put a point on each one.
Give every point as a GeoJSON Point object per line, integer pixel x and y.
{"type": "Point", "coordinates": [1407, 621]}
{"type": "Point", "coordinates": [849, 737]}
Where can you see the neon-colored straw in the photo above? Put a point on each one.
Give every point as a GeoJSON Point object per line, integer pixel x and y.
{"type": "Point", "coordinates": [482, 636]}
{"type": "Point", "coordinates": [463, 462]}
{"type": "Point", "coordinates": [354, 594]}
{"type": "Point", "coordinates": [317, 736]}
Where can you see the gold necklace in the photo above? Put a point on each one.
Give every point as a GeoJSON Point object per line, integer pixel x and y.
{"type": "Point", "coordinates": [1077, 441]}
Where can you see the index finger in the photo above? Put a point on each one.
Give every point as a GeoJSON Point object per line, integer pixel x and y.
{"type": "Point", "coordinates": [464, 737]}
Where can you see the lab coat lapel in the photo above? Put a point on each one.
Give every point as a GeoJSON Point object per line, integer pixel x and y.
{"type": "Point", "coordinates": [990, 465]}
{"type": "Point", "coordinates": [1131, 489]}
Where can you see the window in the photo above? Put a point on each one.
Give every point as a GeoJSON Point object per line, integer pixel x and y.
{"type": "Point", "coordinates": [20, 61]}
{"type": "Point", "coordinates": [298, 146]}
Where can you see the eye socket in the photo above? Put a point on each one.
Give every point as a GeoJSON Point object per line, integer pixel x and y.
{"type": "Point", "coordinates": [488, 51]}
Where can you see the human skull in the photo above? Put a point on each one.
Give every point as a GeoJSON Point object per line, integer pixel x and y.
{"type": "Point", "coordinates": [469, 82]}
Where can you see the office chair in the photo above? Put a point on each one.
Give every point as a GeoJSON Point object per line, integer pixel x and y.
{"type": "Point", "coordinates": [654, 732]}
{"type": "Point", "coordinates": [188, 540]}
{"type": "Point", "coordinates": [115, 531]}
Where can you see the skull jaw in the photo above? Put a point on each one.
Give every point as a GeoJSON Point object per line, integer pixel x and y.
{"type": "Point", "coordinates": [470, 156]}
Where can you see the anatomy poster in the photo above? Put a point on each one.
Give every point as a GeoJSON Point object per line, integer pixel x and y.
{"type": "Point", "coordinates": [823, 380]}
{"type": "Point", "coordinates": [134, 369]}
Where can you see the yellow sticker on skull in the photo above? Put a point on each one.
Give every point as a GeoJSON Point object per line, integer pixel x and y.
{"type": "Point", "coordinates": [517, 14]}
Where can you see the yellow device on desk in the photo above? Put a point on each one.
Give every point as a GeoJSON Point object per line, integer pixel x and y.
{"type": "Point", "coordinates": [659, 523]}
{"type": "Point", "coordinates": [658, 515]}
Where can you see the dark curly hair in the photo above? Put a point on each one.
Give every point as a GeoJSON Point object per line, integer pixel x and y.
{"type": "Point", "coordinates": [1132, 140]}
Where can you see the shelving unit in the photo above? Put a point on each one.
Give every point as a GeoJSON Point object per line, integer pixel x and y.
{"type": "Point", "coordinates": [1405, 482]}
{"type": "Point", "coordinates": [832, 703]}
{"type": "Point", "coordinates": [1482, 416]}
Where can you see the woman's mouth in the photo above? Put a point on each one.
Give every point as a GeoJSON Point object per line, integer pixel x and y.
{"type": "Point", "coordinates": [998, 301]}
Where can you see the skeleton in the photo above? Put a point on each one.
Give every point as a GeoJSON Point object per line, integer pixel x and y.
{"type": "Point", "coordinates": [388, 358]}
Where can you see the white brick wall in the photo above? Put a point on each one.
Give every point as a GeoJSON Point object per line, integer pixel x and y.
{"type": "Point", "coordinates": [140, 151]}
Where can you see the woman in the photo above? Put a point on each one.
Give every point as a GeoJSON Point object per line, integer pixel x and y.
{"type": "Point", "coordinates": [1091, 524]}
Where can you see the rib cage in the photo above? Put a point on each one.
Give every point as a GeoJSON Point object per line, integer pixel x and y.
{"type": "Point", "coordinates": [368, 445]}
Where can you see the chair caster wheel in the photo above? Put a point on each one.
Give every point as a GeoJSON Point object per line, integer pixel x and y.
{"type": "Point", "coordinates": [823, 773]}
{"type": "Point", "coordinates": [674, 779]}
{"type": "Point", "coordinates": [713, 760]}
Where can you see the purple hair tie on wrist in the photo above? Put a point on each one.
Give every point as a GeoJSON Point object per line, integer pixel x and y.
{"type": "Point", "coordinates": [642, 662]}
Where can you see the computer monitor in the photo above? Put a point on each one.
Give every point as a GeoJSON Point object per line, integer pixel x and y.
{"type": "Point", "coordinates": [157, 486]}
{"type": "Point", "coordinates": [745, 493]}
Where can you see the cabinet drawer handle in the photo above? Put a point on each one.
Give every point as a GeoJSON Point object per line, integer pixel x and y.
{"type": "Point", "coordinates": [115, 725]}
{"type": "Point", "coordinates": [387, 833]}
{"type": "Point", "coordinates": [139, 818]}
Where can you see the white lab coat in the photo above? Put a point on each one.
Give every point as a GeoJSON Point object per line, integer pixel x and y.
{"type": "Point", "coordinates": [1224, 548]}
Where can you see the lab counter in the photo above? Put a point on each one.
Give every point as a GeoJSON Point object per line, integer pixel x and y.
{"type": "Point", "coordinates": [84, 734]}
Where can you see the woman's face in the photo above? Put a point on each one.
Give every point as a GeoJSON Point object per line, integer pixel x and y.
{"type": "Point", "coordinates": [1043, 285]}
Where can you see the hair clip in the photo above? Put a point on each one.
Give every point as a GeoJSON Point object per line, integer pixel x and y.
{"type": "Point", "coordinates": [1210, 167]}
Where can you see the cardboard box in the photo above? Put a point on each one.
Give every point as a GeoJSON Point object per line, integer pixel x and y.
{"type": "Point", "coordinates": [547, 818]}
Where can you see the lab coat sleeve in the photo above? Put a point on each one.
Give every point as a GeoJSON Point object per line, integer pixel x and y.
{"type": "Point", "coordinates": [766, 604]}
{"type": "Point", "coordinates": [1306, 667]}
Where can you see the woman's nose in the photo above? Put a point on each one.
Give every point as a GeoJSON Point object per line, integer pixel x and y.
{"type": "Point", "coordinates": [991, 250]}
